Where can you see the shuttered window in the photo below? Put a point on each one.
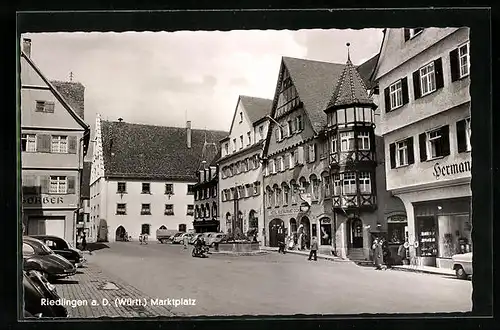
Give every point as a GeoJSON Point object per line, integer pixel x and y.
{"type": "Point", "coordinates": [428, 79]}
{"type": "Point", "coordinates": [464, 135]}
{"type": "Point", "coordinates": [59, 144]}
{"type": "Point", "coordinates": [434, 144]}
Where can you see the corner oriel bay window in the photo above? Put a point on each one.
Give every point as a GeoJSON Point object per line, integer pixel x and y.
{"type": "Point", "coordinates": [349, 183]}
{"type": "Point", "coordinates": [363, 141]}
{"type": "Point", "coordinates": [434, 144]}
{"type": "Point", "coordinates": [365, 186]}
{"type": "Point", "coordinates": [347, 141]}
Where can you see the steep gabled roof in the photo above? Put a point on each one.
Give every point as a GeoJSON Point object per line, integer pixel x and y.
{"type": "Point", "coordinates": [366, 70]}
{"type": "Point", "coordinates": [350, 89]}
{"type": "Point", "coordinates": [256, 107]}
{"type": "Point", "coordinates": [209, 153]}
{"type": "Point", "coordinates": [56, 93]}
{"type": "Point", "coordinates": [314, 81]}
{"type": "Point", "coordinates": [153, 152]}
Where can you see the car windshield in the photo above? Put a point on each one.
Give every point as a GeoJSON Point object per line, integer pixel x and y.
{"type": "Point", "coordinates": [45, 248]}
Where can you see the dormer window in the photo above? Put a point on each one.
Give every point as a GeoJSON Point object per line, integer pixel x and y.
{"type": "Point", "coordinates": [412, 33]}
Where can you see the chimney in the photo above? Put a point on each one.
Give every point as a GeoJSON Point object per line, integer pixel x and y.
{"type": "Point", "coordinates": [188, 133]}
{"type": "Point", "coordinates": [120, 119]}
{"type": "Point", "coordinates": [27, 47]}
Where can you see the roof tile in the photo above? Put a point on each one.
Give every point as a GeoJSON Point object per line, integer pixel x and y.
{"type": "Point", "coordinates": [256, 107]}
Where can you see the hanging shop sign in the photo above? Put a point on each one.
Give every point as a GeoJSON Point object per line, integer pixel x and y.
{"type": "Point", "coordinates": [450, 170]}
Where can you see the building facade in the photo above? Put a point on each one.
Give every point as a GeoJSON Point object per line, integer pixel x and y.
{"type": "Point", "coordinates": [143, 176]}
{"type": "Point", "coordinates": [206, 191]}
{"type": "Point", "coordinates": [424, 76]}
{"type": "Point", "coordinates": [54, 141]}
{"type": "Point", "coordinates": [83, 224]}
{"type": "Point", "coordinates": [240, 166]}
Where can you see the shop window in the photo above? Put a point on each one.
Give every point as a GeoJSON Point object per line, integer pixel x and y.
{"type": "Point", "coordinates": [454, 235]}
{"type": "Point", "coordinates": [326, 233]}
{"type": "Point", "coordinates": [426, 230]}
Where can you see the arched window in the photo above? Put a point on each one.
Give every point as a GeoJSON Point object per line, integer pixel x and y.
{"type": "Point", "coordinates": [214, 209]}
{"type": "Point", "coordinates": [202, 211]}
{"type": "Point", "coordinates": [303, 185]}
{"type": "Point", "coordinates": [314, 186]}
{"type": "Point", "coordinates": [286, 193]}
{"type": "Point", "coordinates": [325, 178]}
{"type": "Point", "coordinates": [277, 195]}
{"type": "Point", "coordinates": [269, 195]}
{"type": "Point", "coordinates": [162, 227]}
{"type": "Point", "coordinates": [207, 210]}
{"type": "Point", "coordinates": [293, 192]}
{"type": "Point", "coordinates": [197, 212]}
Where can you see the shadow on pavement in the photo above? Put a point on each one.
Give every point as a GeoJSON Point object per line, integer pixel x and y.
{"type": "Point", "coordinates": [64, 281]}
{"type": "Point", "coordinates": [96, 246]}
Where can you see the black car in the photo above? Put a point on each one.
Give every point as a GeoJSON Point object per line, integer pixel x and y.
{"type": "Point", "coordinates": [38, 295]}
{"type": "Point", "coordinates": [61, 247]}
{"type": "Point", "coordinates": [38, 256]}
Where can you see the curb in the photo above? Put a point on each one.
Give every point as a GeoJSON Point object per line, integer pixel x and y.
{"type": "Point", "coordinates": [423, 271]}
{"type": "Point", "coordinates": [324, 257]}
{"type": "Point", "coordinates": [240, 253]}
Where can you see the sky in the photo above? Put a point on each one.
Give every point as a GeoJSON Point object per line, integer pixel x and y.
{"type": "Point", "coordinates": [166, 78]}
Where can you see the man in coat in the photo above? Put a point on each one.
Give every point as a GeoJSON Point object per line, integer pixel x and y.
{"type": "Point", "coordinates": [377, 253]}
{"type": "Point", "coordinates": [314, 249]}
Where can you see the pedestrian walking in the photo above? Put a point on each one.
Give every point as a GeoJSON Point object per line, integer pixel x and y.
{"type": "Point", "coordinates": [377, 253]}
{"type": "Point", "coordinates": [386, 253]}
{"type": "Point", "coordinates": [314, 249]}
{"type": "Point", "coordinates": [84, 242]}
{"type": "Point", "coordinates": [402, 253]}
{"type": "Point", "coordinates": [281, 246]}
{"type": "Point", "coordinates": [185, 239]}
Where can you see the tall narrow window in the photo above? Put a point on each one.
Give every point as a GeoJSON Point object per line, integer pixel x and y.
{"type": "Point", "coordinates": [241, 141]}
{"type": "Point", "coordinates": [235, 147]}
{"type": "Point", "coordinates": [286, 195]}
{"type": "Point", "coordinates": [226, 148]}
{"type": "Point", "coordinates": [249, 138]}
{"type": "Point", "coordinates": [290, 128]}
{"type": "Point", "coordinates": [333, 144]}
{"type": "Point", "coordinates": [241, 117]}
{"type": "Point", "coordinates": [261, 132]}
{"type": "Point", "coordinates": [336, 185]}
{"type": "Point", "coordinates": [434, 144]}
{"type": "Point", "coordinates": [463, 58]}
{"type": "Point", "coordinates": [427, 79]}
{"type": "Point", "coordinates": [365, 183]}
{"type": "Point", "coordinates": [300, 124]}
{"type": "Point", "coordinates": [396, 95]}
{"type": "Point", "coordinates": [401, 153]}
{"type": "Point", "coordinates": [59, 144]}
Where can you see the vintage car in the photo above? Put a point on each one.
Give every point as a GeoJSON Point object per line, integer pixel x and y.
{"type": "Point", "coordinates": [215, 238]}
{"type": "Point", "coordinates": [194, 238]}
{"type": "Point", "coordinates": [165, 235]}
{"type": "Point", "coordinates": [38, 256]}
{"type": "Point", "coordinates": [462, 265]}
{"type": "Point", "coordinates": [62, 248]}
{"type": "Point", "coordinates": [179, 239]}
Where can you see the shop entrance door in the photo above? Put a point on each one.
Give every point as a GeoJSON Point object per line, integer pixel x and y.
{"type": "Point", "coordinates": [356, 234]}
{"type": "Point", "coordinates": [276, 231]}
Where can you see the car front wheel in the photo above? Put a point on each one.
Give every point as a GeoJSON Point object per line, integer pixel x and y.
{"type": "Point", "coordinates": [461, 274]}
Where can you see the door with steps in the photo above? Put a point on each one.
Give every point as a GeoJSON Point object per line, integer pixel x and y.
{"type": "Point", "coordinates": [356, 254]}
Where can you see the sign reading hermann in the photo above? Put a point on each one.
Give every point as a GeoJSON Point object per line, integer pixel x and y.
{"type": "Point", "coordinates": [446, 170]}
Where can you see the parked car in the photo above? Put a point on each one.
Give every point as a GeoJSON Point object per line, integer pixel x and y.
{"type": "Point", "coordinates": [215, 238]}
{"type": "Point", "coordinates": [462, 265]}
{"type": "Point", "coordinates": [165, 235]}
{"type": "Point", "coordinates": [180, 238]}
{"type": "Point", "coordinates": [194, 238]}
{"type": "Point", "coordinates": [38, 256]}
{"type": "Point", "coordinates": [37, 288]}
{"type": "Point", "coordinates": [61, 247]}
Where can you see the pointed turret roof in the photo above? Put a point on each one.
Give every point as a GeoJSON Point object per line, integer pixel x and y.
{"type": "Point", "coordinates": [350, 89]}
